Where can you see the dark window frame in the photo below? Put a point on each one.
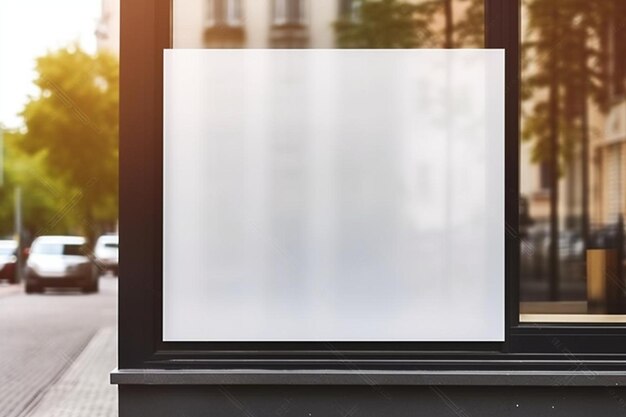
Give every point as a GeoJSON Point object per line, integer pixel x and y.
{"type": "Point", "coordinates": [527, 346]}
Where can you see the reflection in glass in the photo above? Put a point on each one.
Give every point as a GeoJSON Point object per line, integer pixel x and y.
{"type": "Point", "coordinates": [363, 24]}
{"type": "Point", "coordinates": [572, 160]}
{"type": "Point", "coordinates": [328, 23]}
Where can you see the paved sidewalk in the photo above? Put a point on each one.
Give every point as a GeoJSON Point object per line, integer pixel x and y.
{"type": "Point", "coordinates": [84, 389]}
{"type": "Point", "coordinates": [10, 289]}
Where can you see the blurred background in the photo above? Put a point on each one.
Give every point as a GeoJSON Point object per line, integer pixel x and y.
{"type": "Point", "coordinates": [59, 100]}
{"type": "Point", "coordinates": [59, 162]}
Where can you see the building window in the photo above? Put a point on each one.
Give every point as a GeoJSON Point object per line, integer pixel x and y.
{"type": "Point", "coordinates": [288, 12]}
{"type": "Point", "coordinates": [349, 9]}
{"type": "Point", "coordinates": [223, 13]}
{"type": "Point", "coordinates": [233, 12]}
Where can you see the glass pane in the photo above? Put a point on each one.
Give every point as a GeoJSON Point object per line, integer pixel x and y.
{"type": "Point", "coordinates": [328, 23]}
{"type": "Point", "coordinates": [329, 195]}
{"type": "Point", "coordinates": [277, 245]}
{"type": "Point", "coordinates": [573, 156]}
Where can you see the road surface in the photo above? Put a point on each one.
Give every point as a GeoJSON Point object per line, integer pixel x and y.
{"type": "Point", "coordinates": [56, 350]}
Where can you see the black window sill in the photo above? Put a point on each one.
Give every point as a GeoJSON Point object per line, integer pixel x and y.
{"type": "Point", "coordinates": [578, 377]}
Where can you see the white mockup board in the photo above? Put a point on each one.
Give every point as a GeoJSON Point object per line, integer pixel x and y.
{"type": "Point", "coordinates": [333, 195]}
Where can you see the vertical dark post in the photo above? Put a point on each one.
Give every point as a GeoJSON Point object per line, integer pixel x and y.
{"type": "Point", "coordinates": [619, 270]}
{"type": "Point", "coordinates": [502, 30]}
{"type": "Point", "coordinates": [145, 32]}
{"type": "Point", "coordinates": [585, 142]}
{"type": "Point", "coordinates": [19, 234]}
{"type": "Point", "coordinates": [554, 160]}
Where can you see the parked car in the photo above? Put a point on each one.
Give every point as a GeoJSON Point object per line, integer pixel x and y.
{"type": "Point", "coordinates": [570, 247]}
{"type": "Point", "coordinates": [60, 261]}
{"type": "Point", "coordinates": [606, 237]}
{"type": "Point", "coordinates": [8, 260]}
{"type": "Point", "coordinates": [107, 253]}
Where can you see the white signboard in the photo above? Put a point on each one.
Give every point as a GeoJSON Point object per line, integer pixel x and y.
{"type": "Point", "coordinates": [333, 195]}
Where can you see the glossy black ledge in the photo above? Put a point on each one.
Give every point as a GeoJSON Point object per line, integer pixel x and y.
{"type": "Point", "coordinates": [577, 377]}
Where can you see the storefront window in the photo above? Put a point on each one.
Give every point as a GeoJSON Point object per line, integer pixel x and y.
{"type": "Point", "coordinates": [572, 161]}
{"type": "Point", "coordinates": [335, 223]}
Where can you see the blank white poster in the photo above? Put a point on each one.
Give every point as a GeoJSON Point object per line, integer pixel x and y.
{"type": "Point", "coordinates": [333, 195]}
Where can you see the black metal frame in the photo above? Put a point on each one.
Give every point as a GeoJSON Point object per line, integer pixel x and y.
{"type": "Point", "coordinates": [526, 346]}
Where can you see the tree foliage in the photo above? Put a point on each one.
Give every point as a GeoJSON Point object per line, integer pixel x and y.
{"type": "Point", "coordinates": [406, 24]}
{"type": "Point", "coordinates": [470, 30]}
{"type": "Point", "coordinates": [566, 43]}
{"type": "Point", "coordinates": [44, 197]}
{"type": "Point", "coordinates": [72, 126]}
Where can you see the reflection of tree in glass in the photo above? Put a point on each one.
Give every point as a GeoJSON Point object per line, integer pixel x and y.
{"type": "Point", "coordinates": [383, 24]}
{"type": "Point", "coordinates": [411, 24]}
{"type": "Point", "coordinates": [566, 66]}
{"type": "Point", "coordinates": [470, 29]}
{"type": "Point", "coordinates": [563, 66]}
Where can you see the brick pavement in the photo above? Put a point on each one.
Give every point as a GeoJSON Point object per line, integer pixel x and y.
{"type": "Point", "coordinates": [9, 289]}
{"type": "Point", "coordinates": [84, 390]}
{"type": "Point", "coordinates": [41, 336]}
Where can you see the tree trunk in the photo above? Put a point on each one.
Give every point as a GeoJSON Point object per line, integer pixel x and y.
{"type": "Point", "coordinates": [554, 162]}
{"type": "Point", "coordinates": [584, 126]}
{"type": "Point", "coordinates": [449, 24]}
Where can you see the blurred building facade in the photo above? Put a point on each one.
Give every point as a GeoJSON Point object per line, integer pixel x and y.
{"type": "Point", "coordinates": [607, 174]}
{"type": "Point", "coordinates": [609, 162]}
{"type": "Point", "coordinates": [276, 23]}
{"type": "Point", "coordinates": [255, 23]}
{"type": "Point", "coordinates": [108, 27]}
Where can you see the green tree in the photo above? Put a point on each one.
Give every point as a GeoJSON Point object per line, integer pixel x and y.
{"type": "Point", "coordinates": [385, 24]}
{"type": "Point", "coordinates": [73, 125]}
{"type": "Point", "coordinates": [43, 197]}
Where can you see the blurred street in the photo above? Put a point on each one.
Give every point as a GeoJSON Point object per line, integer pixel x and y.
{"type": "Point", "coordinates": [56, 350]}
